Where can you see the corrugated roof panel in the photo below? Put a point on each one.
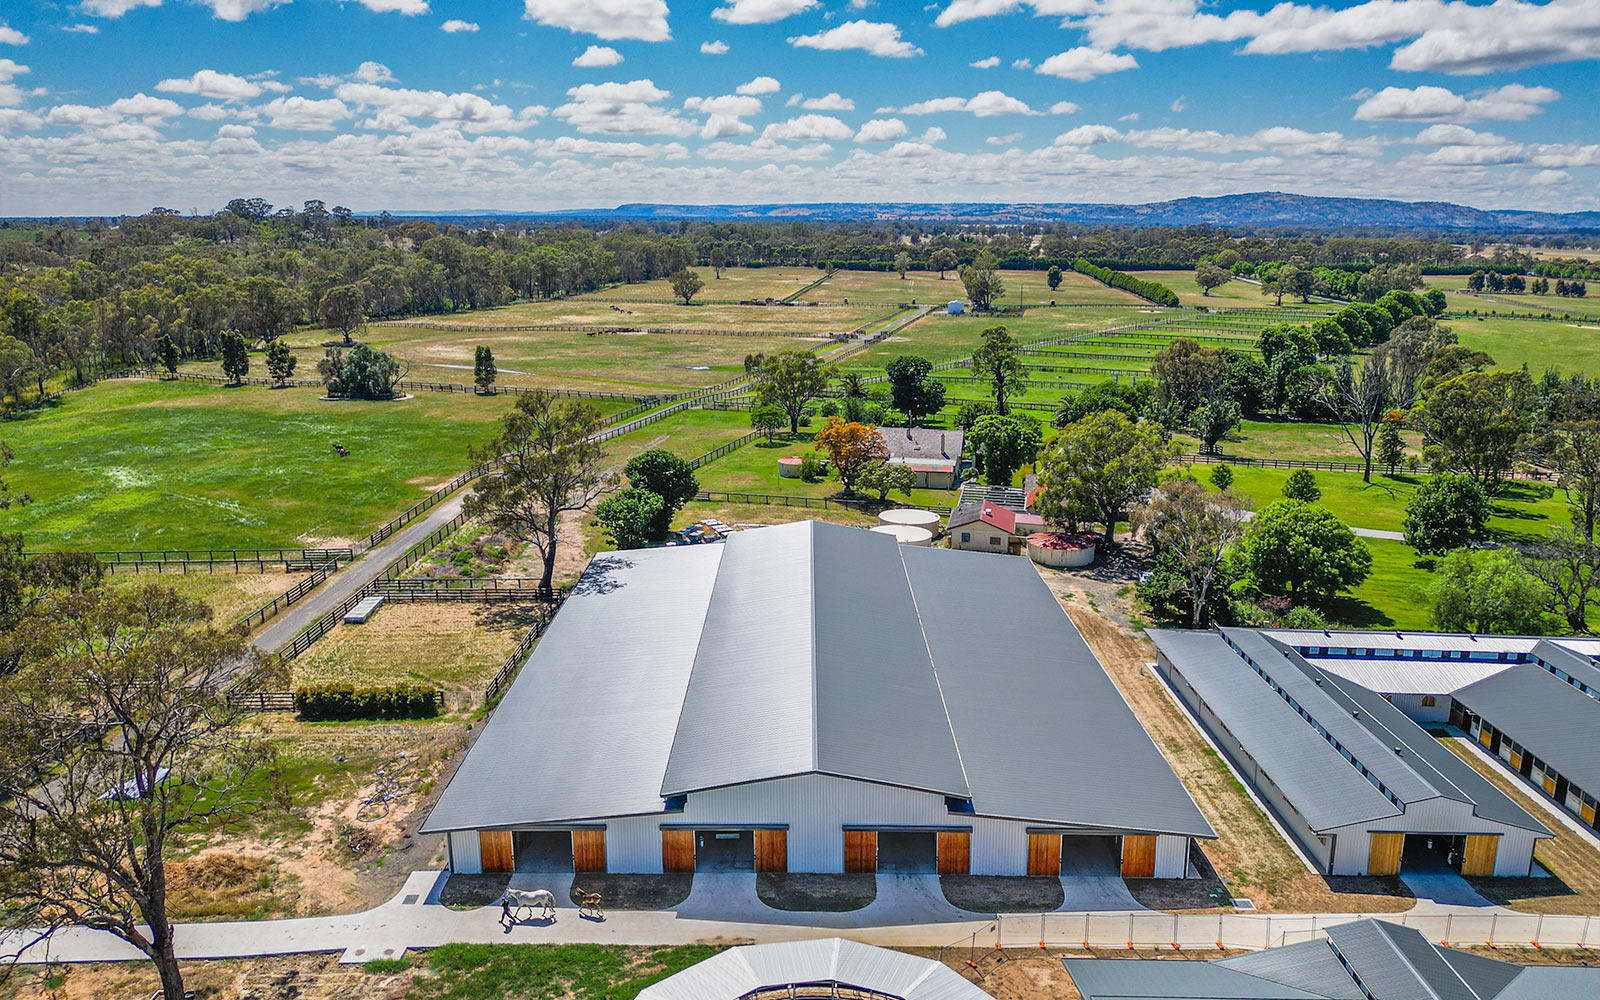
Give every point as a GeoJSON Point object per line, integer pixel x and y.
{"type": "Point", "coordinates": [614, 663]}
{"type": "Point", "coordinates": [1308, 965]}
{"type": "Point", "coordinates": [811, 633]}
{"type": "Point", "coordinates": [1397, 963]}
{"type": "Point", "coordinates": [1551, 718]}
{"type": "Point", "coordinates": [1044, 733]}
{"type": "Point", "coordinates": [1158, 979]}
{"type": "Point", "coordinates": [1322, 785]}
{"type": "Point", "coordinates": [1579, 666]}
{"type": "Point", "coordinates": [1404, 640]}
{"type": "Point", "coordinates": [738, 971]}
{"type": "Point", "coordinates": [1408, 676]}
{"type": "Point", "coordinates": [1488, 976]}
{"type": "Point", "coordinates": [1547, 982]}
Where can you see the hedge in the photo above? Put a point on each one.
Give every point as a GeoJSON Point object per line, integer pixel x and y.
{"type": "Point", "coordinates": [342, 701]}
{"type": "Point", "coordinates": [1152, 291]}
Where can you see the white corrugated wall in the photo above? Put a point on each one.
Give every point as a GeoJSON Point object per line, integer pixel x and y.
{"type": "Point", "coordinates": [1411, 704]}
{"type": "Point", "coordinates": [1442, 816]}
{"type": "Point", "coordinates": [818, 807]}
{"type": "Point", "coordinates": [465, 858]}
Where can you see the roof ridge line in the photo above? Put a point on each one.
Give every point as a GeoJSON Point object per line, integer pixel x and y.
{"type": "Point", "coordinates": [811, 584]}
{"type": "Point", "coordinates": [677, 726]}
{"type": "Point", "coordinates": [938, 683]}
{"type": "Point", "coordinates": [1412, 966]}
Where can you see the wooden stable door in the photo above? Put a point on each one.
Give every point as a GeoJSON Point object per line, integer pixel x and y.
{"type": "Point", "coordinates": [1480, 855]}
{"type": "Point", "coordinates": [588, 850]}
{"type": "Point", "coordinates": [1383, 853]}
{"type": "Point", "coordinates": [860, 851]}
{"type": "Point", "coordinates": [955, 853]}
{"type": "Point", "coordinates": [677, 850]}
{"type": "Point", "coordinates": [1138, 857]}
{"type": "Point", "coordinates": [494, 851]}
{"type": "Point", "coordinates": [772, 850]}
{"type": "Point", "coordinates": [1044, 854]}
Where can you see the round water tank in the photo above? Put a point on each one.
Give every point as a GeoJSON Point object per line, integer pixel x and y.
{"type": "Point", "coordinates": [905, 534]}
{"type": "Point", "coordinates": [1061, 551]}
{"type": "Point", "coordinates": [789, 467]}
{"type": "Point", "coordinates": [911, 518]}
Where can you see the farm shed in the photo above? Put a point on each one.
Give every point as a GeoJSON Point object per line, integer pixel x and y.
{"type": "Point", "coordinates": [827, 967]}
{"type": "Point", "coordinates": [1361, 788]}
{"type": "Point", "coordinates": [813, 698]}
{"type": "Point", "coordinates": [1534, 703]}
{"type": "Point", "coordinates": [1362, 960]}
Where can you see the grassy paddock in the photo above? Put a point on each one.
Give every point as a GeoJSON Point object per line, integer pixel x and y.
{"type": "Point", "coordinates": [939, 337]}
{"type": "Point", "coordinates": [589, 312]}
{"type": "Point", "coordinates": [1572, 346]}
{"type": "Point", "coordinates": [754, 469]}
{"type": "Point", "coordinates": [736, 284]}
{"type": "Point", "coordinates": [230, 595]}
{"type": "Point", "coordinates": [145, 465]}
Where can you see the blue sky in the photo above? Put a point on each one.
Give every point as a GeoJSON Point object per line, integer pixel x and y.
{"type": "Point", "coordinates": [110, 106]}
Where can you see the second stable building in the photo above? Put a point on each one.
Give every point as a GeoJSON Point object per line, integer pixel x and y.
{"type": "Point", "coordinates": [814, 698]}
{"type": "Point", "coordinates": [1361, 788]}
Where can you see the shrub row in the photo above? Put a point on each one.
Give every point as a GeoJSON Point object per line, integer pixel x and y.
{"type": "Point", "coordinates": [1153, 291]}
{"type": "Point", "coordinates": [342, 701]}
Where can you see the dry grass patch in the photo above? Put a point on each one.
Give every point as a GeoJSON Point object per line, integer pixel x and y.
{"type": "Point", "coordinates": [1574, 864]}
{"type": "Point", "coordinates": [230, 595]}
{"type": "Point", "coordinates": [1249, 855]}
{"type": "Point", "coordinates": [455, 647]}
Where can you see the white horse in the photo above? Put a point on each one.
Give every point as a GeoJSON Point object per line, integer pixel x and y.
{"type": "Point", "coordinates": [516, 900]}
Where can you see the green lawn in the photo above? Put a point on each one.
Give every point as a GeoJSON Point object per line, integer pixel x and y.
{"type": "Point", "coordinates": [687, 434]}
{"type": "Point", "coordinates": [549, 972]}
{"type": "Point", "coordinates": [1237, 292]}
{"type": "Point", "coordinates": [594, 312]}
{"type": "Point", "coordinates": [1291, 440]}
{"type": "Point", "coordinates": [145, 465]}
{"type": "Point", "coordinates": [1027, 288]}
{"type": "Point", "coordinates": [1396, 593]}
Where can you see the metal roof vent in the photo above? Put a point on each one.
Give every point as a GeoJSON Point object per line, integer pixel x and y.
{"type": "Point", "coordinates": [1318, 681]}
{"type": "Point", "coordinates": [1355, 714]}
{"type": "Point", "coordinates": [1399, 751]}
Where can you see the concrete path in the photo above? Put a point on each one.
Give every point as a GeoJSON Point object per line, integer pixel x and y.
{"type": "Point", "coordinates": [1440, 890]}
{"type": "Point", "coordinates": [1393, 536]}
{"type": "Point", "coordinates": [354, 576]}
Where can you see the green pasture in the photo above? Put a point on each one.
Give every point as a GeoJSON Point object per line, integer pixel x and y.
{"type": "Point", "coordinates": [147, 465]}
{"type": "Point", "coordinates": [1539, 344]}
{"type": "Point", "coordinates": [819, 319]}
{"type": "Point", "coordinates": [736, 284]}
{"type": "Point", "coordinates": [1291, 440]}
{"type": "Point", "coordinates": [941, 338]}
{"type": "Point", "coordinates": [1026, 288]}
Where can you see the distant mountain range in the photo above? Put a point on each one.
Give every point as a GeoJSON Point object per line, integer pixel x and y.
{"type": "Point", "coordinates": [1258, 210]}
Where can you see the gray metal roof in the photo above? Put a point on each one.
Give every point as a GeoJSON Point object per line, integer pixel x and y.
{"type": "Point", "coordinates": [739, 971]}
{"type": "Point", "coordinates": [812, 659]}
{"type": "Point", "coordinates": [585, 728]}
{"type": "Point", "coordinates": [1025, 693]}
{"type": "Point", "coordinates": [923, 442]}
{"type": "Point", "coordinates": [1545, 714]}
{"type": "Point", "coordinates": [1580, 667]}
{"type": "Point", "coordinates": [1391, 962]}
{"type": "Point", "coordinates": [813, 648]}
{"type": "Point", "coordinates": [1323, 786]}
{"type": "Point", "coordinates": [1409, 676]}
{"type": "Point", "coordinates": [1171, 979]}
{"type": "Point", "coordinates": [1397, 963]}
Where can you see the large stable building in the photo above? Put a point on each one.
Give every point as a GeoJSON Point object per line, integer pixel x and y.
{"type": "Point", "coordinates": [1534, 703]}
{"type": "Point", "coordinates": [1359, 786]}
{"type": "Point", "coordinates": [815, 698]}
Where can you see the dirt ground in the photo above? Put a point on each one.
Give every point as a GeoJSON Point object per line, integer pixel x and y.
{"type": "Point", "coordinates": [1250, 857]}
{"type": "Point", "coordinates": [338, 833]}
{"type": "Point", "coordinates": [1574, 863]}
{"type": "Point", "coordinates": [813, 893]}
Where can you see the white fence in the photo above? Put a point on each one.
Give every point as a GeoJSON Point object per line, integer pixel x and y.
{"type": "Point", "coordinates": [1233, 931]}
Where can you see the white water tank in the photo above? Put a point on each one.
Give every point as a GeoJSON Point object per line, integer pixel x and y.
{"type": "Point", "coordinates": [907, 517]}
{"type": "Point", "coordinates": [905, 534]}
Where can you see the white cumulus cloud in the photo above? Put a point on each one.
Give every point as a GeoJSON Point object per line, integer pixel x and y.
{"type": "Point", "coordinates": [760, 85]}
{"type": "Point", "coordinates": [882, 130]}
{"type": "Point", "coordinates": [985, 105]}
{"type": "Point", "coordinates": [1065, 108]}
{"type": "Point", "coordinates": [598, 55]}
{"type": "Point", "coordinates": [11, 36]}
{"type": "Point", "coordinates": [761, 11]}
{"type": "Point", "coordinates": [989, 63]}
{"type": "Point", "coordinates": [455, 26]}
{"type": "Point", "coordinates": [807, 128]}
{"type": "Point", "coordinates": [304, 114]}
{"type": "Point", "coordinates": [1084, 64]}
{"type": "Point", "coordinates": [630, 108]}
{"type": "Point", "coordinates": [1513, 102]}
{"type": "Point", "coordinates": [873, 37]}
{"type": "Point", "coordinates": [644, 20]}
{"type": "Point", "coordinates": [715, 47]}
{"type": "Point", "coordinates": [218, 86]}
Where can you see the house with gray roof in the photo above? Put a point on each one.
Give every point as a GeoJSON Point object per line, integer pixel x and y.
{"type": "Point", "coordinates": [1359, 786]}
{"type": "Point", "coordinates": [1363, 960]}
{"type": "Point", "coordinates": [933, 454]}
{"type": "Point", "coordinates": [813, 698]}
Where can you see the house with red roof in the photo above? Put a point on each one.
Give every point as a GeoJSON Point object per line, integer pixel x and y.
{"type": "Point", "coordinates": [989, 527]}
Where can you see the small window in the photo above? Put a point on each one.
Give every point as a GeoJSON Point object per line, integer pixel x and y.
{"type": "Point", "coordinates": [1427, 701]}
{"type": "Point", "coordinates": [966, 536]}
{"type": "Point", "coordinates": [994, 540]}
